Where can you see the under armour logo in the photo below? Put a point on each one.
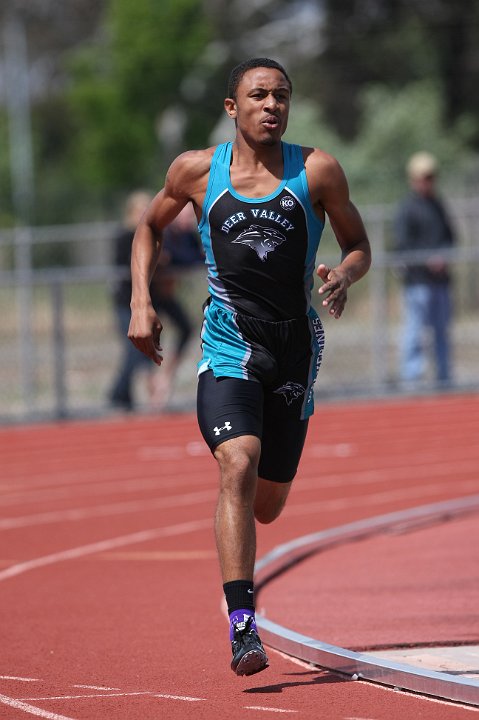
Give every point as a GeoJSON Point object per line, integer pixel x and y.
{"type": "Point", "coordinates": [226, 426]}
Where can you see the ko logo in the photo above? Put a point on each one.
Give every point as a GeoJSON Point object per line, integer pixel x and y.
{"type": "Point", "coordinates": [287, 202]}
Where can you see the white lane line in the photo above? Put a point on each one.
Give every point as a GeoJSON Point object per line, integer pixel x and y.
{"type": "Point", "coordinates": [18, 679]}
{"type": "Point", "coordinates": [75, 514]}
{"type": "Point", "coordinates": [86, 483]}
{"type": "Point", "coordinates": [155, 555]}
{"type": "Point", "coordinates": [58, 489]}
{"type": "Point", "coordinates": [268, 709]}
{"type": "Point", "coordinates": [94, 687]}
{"type": "Point", "coordinates": [31, 709]}
{"type": "Point", "coordinates": [87, 696]}
{"type": "Point", "coordinates": [104, 545]}
{"type": "Point", "coordinates": [388, 473]}
{"type": "Point", "coordinates": [173, 452]}
{"type": "Point", "coordinates": [421, 491]}
{"type": "Point", "coordinates": [179, 697]}
{"type": "Point", "coordinates": [334, 450]}
{"type": "Point", "coordinates": [205, 496]}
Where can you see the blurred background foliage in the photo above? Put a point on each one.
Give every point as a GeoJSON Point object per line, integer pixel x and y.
{"type": "Point", "coordinates": [119, 87]}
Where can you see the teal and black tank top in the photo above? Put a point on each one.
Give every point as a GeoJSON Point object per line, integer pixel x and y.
{"type": "Point", "coordinates": [260, 252]}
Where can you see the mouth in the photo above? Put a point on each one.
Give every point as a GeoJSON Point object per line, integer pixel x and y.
{"type": "Point", "coordinates": [271, 122]}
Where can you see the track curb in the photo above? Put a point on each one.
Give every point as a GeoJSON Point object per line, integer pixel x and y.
{"type": "Point", "coordinates": [361, 665]}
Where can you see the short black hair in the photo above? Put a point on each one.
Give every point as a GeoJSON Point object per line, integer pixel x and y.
{"type": "Point", "coordinates": [238, 72]}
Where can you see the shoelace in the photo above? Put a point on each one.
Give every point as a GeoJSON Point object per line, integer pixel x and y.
{"type": "Point", "coordinates": [239, 634]}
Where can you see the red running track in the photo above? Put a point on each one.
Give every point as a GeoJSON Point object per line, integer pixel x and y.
{"type": "Point", "coordinates": [110, 595]}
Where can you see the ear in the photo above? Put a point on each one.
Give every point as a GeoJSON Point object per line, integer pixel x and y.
{"type": "Point", "coordinates": [230, 107]}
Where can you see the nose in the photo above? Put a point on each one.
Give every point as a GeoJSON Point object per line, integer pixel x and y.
{"type": "Point", "coordinates": [270, 101]}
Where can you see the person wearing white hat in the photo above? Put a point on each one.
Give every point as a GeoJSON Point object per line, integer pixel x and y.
{"type": "Point", "coordinates": [423, 229]}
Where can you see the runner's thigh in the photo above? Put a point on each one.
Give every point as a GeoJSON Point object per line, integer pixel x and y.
{"type": "Point", "coordinates": [283, 439]}
{"type": "Point", "coordinates": [228, 407]}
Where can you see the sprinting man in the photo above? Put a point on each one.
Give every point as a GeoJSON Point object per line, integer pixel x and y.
{"type": "Point", "coordinates": [261, 206]}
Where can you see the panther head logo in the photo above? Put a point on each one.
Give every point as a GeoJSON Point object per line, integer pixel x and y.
{"type": "Point", "coordinates": [261, 239]}
{"type": "Point", "coordinates": [291, 391]}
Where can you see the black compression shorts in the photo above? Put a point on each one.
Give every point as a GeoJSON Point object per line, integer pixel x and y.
{"type": "Point", "coordinates": [229, 407]}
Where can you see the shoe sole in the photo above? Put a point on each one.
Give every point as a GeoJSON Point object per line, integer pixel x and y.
{"type": "Point", "coordinates": [252, 662]}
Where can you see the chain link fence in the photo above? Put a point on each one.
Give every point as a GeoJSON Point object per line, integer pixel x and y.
{"type": "Point", "coordinates": [59, 346]}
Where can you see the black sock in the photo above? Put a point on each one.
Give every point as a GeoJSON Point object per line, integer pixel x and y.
{"type": "Point", "coordinates": [239, 594]}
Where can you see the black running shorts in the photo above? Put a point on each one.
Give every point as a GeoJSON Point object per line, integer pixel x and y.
{"type": "Point", "coordinates": [229, 407]}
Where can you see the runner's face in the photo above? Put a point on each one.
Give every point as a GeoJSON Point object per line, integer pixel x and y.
{"type": "Point", "coordinates": [262, 105]}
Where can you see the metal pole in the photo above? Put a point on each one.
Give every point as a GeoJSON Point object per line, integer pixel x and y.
{"type": "Point", "coordinates": [59, 364]}
{"type": "Point", "coordinates": [379, 345]}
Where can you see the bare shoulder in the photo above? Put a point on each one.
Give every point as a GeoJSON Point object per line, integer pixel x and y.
{"type": "Point", "coordinates": [322, 165]}
{"type": "Point", "coordinates": [326, 179]}
{"type": "Point", "coordinates": [186, 181]}
{"type": "Point", "coordinates": [193, 162]}
{"type": "Point", "coordinates": [188, 173]}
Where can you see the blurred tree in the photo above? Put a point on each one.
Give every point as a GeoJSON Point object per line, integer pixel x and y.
{"type": "Point", "coordinates": [51, 29]}
{"type": "Point", "coordinates": [395, 42]}
{"type": "Point", "coordinates": [152, 83]}
{"type": "Point", "coordinates": [120, 87]}
{"type": "Point", "coordinates": [123, 83]}
{"type": "Point", "coordinates": [388, 134]}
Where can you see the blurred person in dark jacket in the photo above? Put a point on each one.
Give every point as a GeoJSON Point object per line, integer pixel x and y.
{"type": "Point", "coordinates": [181, 249]}
{"type": "Point", "coordinates": [422, 224]}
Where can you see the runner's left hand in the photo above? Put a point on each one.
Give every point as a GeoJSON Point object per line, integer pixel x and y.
{"type": "Point", "coordinates": [335, 289]}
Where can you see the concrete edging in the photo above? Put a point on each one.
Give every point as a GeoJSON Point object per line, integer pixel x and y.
{"type": "Point", "coordinates": [362, 665]}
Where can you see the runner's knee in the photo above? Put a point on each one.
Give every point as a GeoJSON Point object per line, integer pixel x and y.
{"type": "Point", "coordinates": [238, 462]}
{"type": "Point", "coordinates": [270, 500]}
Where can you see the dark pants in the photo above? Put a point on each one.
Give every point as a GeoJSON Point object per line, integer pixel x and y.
{"type": "Point", "coordinates": [132, 359]}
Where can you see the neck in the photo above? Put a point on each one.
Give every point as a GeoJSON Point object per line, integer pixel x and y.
{"type": "Point", "coordinates": [248, 153]}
